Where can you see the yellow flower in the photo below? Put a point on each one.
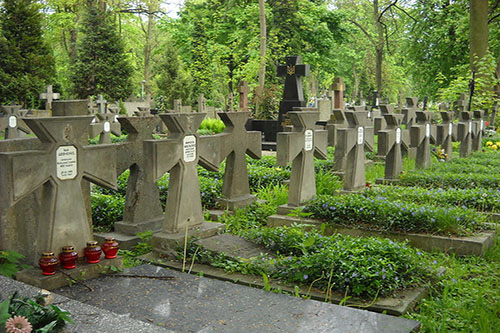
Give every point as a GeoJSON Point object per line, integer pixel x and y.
{"type": "Point", "coordinates": [489, 143]}
{"type": "Point", "coordinates": [497, 143]}
{"type": "Point", "coordinates": [495, 147]}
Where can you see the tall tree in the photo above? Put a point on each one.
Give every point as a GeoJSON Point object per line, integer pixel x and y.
{"type": "Point", "coordinates": [478, 30]}
{"type": "Point", "coordinates": [101, 65]}
{"type": "Point", "coordinates": [26, 62]}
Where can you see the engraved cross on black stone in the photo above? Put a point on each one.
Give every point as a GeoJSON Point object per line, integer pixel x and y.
{"type": "Point", "coordinates": [293, 71]}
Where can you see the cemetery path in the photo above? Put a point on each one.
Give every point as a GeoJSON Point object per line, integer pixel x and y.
{"type": "Point", "coordinates": [190, 303]}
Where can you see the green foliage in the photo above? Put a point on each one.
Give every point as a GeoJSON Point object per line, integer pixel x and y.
{"type": "Point", "coordinates": [480, 199]}
{"type": "Point", "coordinates": [212, 126]}
{"type": "Point", "coordinates": [43, 319]}
{"type": "Point", "coordinates": [10, 263]}
{"type": "Point", "coordinates": [430, 179]}
{"type": "Point", "coordinates": [26, 64]}
{"type": "Point", "coordinates": [382, 214]}
{"type": "Point", "coordinates": [106, 210]}
{"type": "Point", "coordinates": [380, 266]}
{"type": "Point", "coordinates": [101, 66]}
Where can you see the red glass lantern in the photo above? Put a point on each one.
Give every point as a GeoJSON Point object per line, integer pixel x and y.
{"type": "Point", "coordinates": [93, 252]}
{"type": "Point", "coordinates": [48, 263]}
{"type": "Point", "coordinates": [110, 248]}
{"type": "Point", "coordinates": [68, 257]}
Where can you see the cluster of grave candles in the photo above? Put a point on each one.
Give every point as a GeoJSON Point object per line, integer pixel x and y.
{"type": "Point", "coordinates": [68, 257]}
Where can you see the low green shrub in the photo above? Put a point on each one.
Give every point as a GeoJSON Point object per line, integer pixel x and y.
{"type": "Point", "coordinates": [364, 267]}
{"type": "Point", "coordinates": [211, 126]}
{"type": "Point", "coordinates": [381, 214]}
{"type": "Point", "coordinates": [10, 263]}
{"type": "Point", "coordinates": [430, 179]}
{"type": "Point", "coordinates": [480, 199]}
{"type": "Point", "coordinates": [106, 210]}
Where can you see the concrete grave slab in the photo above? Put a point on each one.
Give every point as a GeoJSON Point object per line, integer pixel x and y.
{"type": "Point", "coordinates": [189, 303]}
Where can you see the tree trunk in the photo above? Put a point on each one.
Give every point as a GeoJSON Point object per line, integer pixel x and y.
{"type": "Point", "coordinates": [478, 30]}
{"type": "Point", "coordinates": [355, 88]}
{"type": "Point", "coordinates": [147, 56]}
{"type": "Point", "coordinates": [379, 49]}
{"type": "Point", "coordinates": [262, 69]}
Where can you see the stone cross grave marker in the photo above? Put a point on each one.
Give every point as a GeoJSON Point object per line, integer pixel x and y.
{"type": "Point", "coordinates": [202, 103]}
{"type": "Point", "coordinates": [244, 90]}
{"type": "Point", "coordinates": [49, 96]}
{"type": "Point", "coordinates": [446, 133]}
{"type": "Point", "coordinates": [384, 146]}
{"type": "Point", "coordinates": [230, 102]}
{"type": "Point", "coordinates": [177, 105]}
{"type": "Point", "coordinates": [59, 169]}
{"type": "Point", "coordinates": [338, 88]}
{"type": "Point", "coordinates": [464, 135]}
{"type": "Point", "coordinates": [340, 156]}
{"type": "Point", "coordinates": [293, 96]}
{"type": "Point", "coordinates": [337, 120]}
{"type": "Point", "coordinates": [460, 105]}
{"type": "Point", "coordinates": [379, 122]}
{"type": "Point", "coordinates": [236, 143]}
{"type": "Point", "coordinates": [299, 147]}
{"type": "Point", "coordinates": [143, 209]}
{"type": "Point", "coordinates": [421, 136]}
{"type": "Point", "coordinates": [101, 104]}
{"type": "Point", "coordinates": [391, 140]}
{"type": "Point", "coordinates": [142, 111]}
{"type": "Point", "coordinates": [410, 111]}
{"type": "Point", "coordinates": [12, 123]}
{"type": "Point", "coordinates": [180, 155]}
{"type": "Point", "coordinates": [106, 124]}
{"type": "Point", "coordinates": [352, 141]}
{"type": "Point", "coordinates": [478, 130]}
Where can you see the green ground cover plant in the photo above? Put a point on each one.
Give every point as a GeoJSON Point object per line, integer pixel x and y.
{"type": "Point", "coordinates": [479, 199]}
{"type": "Point", "coordinates": [401, 216]}
{"type": "Point", "coordinates": [432, 179]}
{"type": "Point", "coordinates": [363, 267]}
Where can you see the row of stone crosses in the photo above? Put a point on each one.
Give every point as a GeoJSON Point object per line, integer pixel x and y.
{"type": "Point", "coordinates": [44, 181]}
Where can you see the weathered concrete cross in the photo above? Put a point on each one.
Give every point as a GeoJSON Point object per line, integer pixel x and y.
{"type": "Point", "coordinates": [338, 88]}
{"type": "Point", "coordinates": [101, 104]}
{"type": "Point", "coordinates": [410, 111]}
{"type": "Point", "coordinates": [143, 209]}
{"type": "Point", "coordinates": [236, 142]}
{"type": "Point", "coordinates": [391, 140]}
{"type": "Point", "coordinates": [107, 123]}
{"type": "Point", "coordinates": [244, 90]}
{"type": "Point", "coordinates": [49, 96]}
{"type": "Point", "coordinates": [465, 129]}
{"type": "Point", "coordinates": [383, 146]}
{"type": "Point", "coordinates": [202, 103]}
{"type": "Point", "coordinates": [179, 155]}
{"type": "Point", "coordinates": [12, 123]}
{"type": "Point", "coordinates": [178, 105]}
{"type": "Point", "coordinates": [142, 111]}
{"type": "Point", "coordinates": [421, 135]}
{"type": "Point", "coordinates": [478, 130]}
{"type": "Point", "coordinates": [446, 133]}
{"type": "Point", "coordinates": [337, 120]}
{"type": "Point", "coordinates": [379, 121]}
{"type": "Point", "coordinates": [352, 141]}
{"type": "Point", "coordinates": [59, 169]}
{"type": "Point", "coordinates": [299, 147]}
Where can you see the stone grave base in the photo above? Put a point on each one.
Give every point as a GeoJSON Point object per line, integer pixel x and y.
{"type": "Point", "coordinates": [64, 277]}
{"type": "Point", "coordinates": [133, 228]}
{"type": "Point", "coordinates": [287, 209]}
{"type": "Point", "coordinates": [402, 302]}
{"type": "Point", "coordinates": [495, 217]}
{"type": "Point", "coordinates": [383, 181]}
{"type": "Point", "coordinates": [471, 245]}
{"type": "Point", "coordinates": [346, 192]}
{"type": "Point", "coordinates": [127, 242]}
{"type": "Point", "coordinates": [165, 243]}
{"type": "Point", "coordinates": [236, 203]}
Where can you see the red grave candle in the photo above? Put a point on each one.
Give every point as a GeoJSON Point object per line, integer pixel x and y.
{"type": "Point", "coordinates": [48, 263]}
{"type": "Point", "coordinates": [68, 257]}
{"type": "Point", "coordinates": [110, 248]}
{"type": "Point", "coordinates": [93, 252]}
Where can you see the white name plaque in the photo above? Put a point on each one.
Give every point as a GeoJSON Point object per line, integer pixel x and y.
{"type": "Point", "coordinates": [361, 135]}
{"type": "Point", "coordinates": [189, 148]}
{"type": "Point", "coordinates": [398, 136]}
{"type": "Point", "coordinates": [470, 126]}
{"type": "Point", "coordinates": [66, 162]}
{"type": "Point", "coordinates": [427, 130]}
{"type": "Point", "coordinates": [308, 144]}
{"type": "Point", "coordinates": [482, 125]}
{"type": "Point", "coordinates": [12, 121]}
{"type": "Point", "coordinates": [450, 129]}
{"type": "Point", "coordinates": [107, 126]}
